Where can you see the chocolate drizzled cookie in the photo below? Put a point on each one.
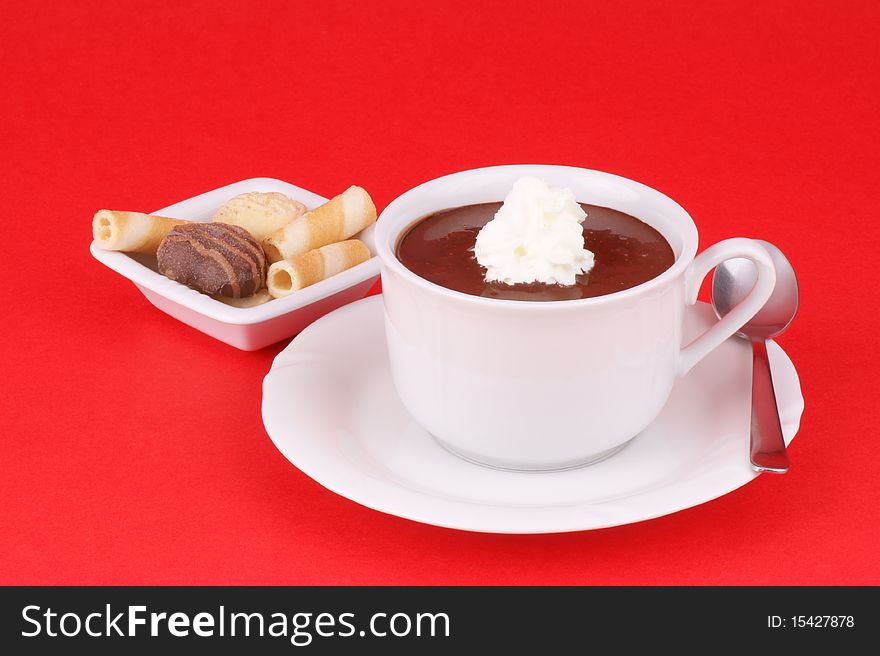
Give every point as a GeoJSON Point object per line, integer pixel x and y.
{"type": "Point", "coordinates": [214, 258]}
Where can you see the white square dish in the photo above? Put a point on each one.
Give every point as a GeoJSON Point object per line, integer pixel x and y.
{"type": "Point", "coordinates": [253, 328]}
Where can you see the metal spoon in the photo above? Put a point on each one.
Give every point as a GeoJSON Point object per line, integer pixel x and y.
{"type": "Point", "coordinates": [732, 281]}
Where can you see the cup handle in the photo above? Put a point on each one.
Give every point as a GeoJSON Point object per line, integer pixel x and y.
{"type": "Point", "coordinates": [741, 313]}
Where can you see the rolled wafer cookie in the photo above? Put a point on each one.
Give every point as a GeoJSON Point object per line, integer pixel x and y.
{"type": "Point", "coordinates": [132, 232]}
{"type": "Point", "coordinates": [291, 275]}
{"type": "Point", "coordinates": [339, 218]}
{"type": "Point", "coordinates": [259, 213]}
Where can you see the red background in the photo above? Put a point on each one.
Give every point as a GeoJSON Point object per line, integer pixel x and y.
{"type": "Point", "coordinates": [132, 446]}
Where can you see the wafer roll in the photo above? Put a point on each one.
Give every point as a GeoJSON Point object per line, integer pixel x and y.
{"type": "Point", "coordinates": [337, 219]}
{"type": "Point", "coordinates": [288, 276]}
{"type": "Point", "coordinates": [261, 214]}
{"type": "Point", "coordinates": [131, 232]}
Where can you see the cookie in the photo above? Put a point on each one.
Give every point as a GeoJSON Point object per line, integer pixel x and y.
{"type": "Point", "coordinates": [289, 276]}
{"type": "Point", "coordinates": [213, 258]}
{"type": "Point", "coordinates": [131, 232]}
{"type": "Point", "coordinates": [338, 219]}
{"type": "Point", "coordinates": [260, 213]}
{"type": "Point", "coordinates": [259, 298]}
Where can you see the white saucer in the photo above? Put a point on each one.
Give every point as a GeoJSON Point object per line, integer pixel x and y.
{"type": "Point", "coordinates": [330, 407]}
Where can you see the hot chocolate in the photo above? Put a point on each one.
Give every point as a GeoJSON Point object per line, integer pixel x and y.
{"type": "Point", "coordinates": [628, 252]}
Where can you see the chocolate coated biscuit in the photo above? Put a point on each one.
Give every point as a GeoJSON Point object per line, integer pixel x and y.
{"type": "Point", "coordinates": [214, 258]}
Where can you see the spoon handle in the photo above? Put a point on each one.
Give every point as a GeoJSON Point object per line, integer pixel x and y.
{"type": "Point", "coordinates": [767, 446]}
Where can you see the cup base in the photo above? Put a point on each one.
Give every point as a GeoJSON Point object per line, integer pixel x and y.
{"type": "Point", "coordinates": [592, 460]}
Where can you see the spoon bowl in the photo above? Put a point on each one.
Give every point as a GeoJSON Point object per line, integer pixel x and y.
{"type": "Point", "coordinates": [734, 279]}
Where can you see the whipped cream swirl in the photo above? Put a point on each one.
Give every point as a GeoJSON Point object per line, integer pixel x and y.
{"type": "Point", "coordinates": [536, 236]}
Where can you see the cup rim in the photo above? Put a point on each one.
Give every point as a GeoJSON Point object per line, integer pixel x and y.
{"type": "Point", "coordinates": [390, 260]}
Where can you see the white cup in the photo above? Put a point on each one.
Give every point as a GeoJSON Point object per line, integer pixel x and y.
{"type": "Point", "coordinates": [548, 385]}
